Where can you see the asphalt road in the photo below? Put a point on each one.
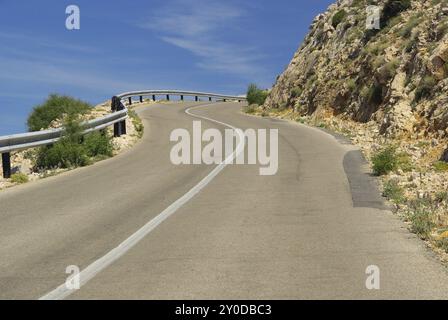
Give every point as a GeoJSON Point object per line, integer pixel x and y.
{"type": "Point", "coordinates": [308, 232]}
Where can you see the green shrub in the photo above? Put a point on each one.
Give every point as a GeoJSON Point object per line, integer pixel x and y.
{"type": "Point", "coordinates": [351, 84]}
{"type": "Point", "coordinates": [378, 62]}
{"type": "Point", "coordinates": [377, 48]}
{"type": "Point", "coordinates": [394, 21]}
{"type": "Point", "coordinates": [68, 152]}
{"type": "Point", "coordinates": [63, 154]}
{"type": "Point", "coordinates": [404, 162]}
{"type": "Point", "coordinates": [137, 122]}
{"type": "Point", "coordinates": [440, 166]}
{"type": "Point", "coordinates": [54, 108]}
{"type": "Point", "coordinates": [443, 244]}
{"type": "Point", "coordinates": [425, 87]}
{"type": "Point", "coordinates": [393, 191]}
{"type": "Point", "coordinates": [296, 92]}
{"type": "Point", "coordinates": [391, 68]}
{"type": "Point", "coordinates": [385, 161]}
{"type": "Point", "coordinates": [338, 18]}
{"type": "Point", "coordinates": [364, 93]}
{"type": "Point", "coordinates": [311, 80]}
{"type": "Point", "coordinates": [421, 219]}
{"type": "Point", "coordinates": [249, 109]}
{"type": "Point", "coordinates": [406, 31]}
{"type": "Point", "coordinates": [98, 144]}
{"type": "Point", "coordinates": [256, 95]}
{"type": "Point", "coordinates": [441, 196]}
{"type": "Point", "coordinates": [411, 44]}
{"type": "Point", "coordinates": [19, 178]}
{"type": "Point", "coordinates": [72, 128]}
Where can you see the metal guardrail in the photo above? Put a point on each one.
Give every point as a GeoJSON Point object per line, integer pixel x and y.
{"type": "Point", "coordinates": [27, 140]}
{"type": "Point", "coordinates": [22, 141]}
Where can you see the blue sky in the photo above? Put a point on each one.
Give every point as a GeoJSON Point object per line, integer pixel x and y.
{"type": "Point", "coordinates": [205, 45]}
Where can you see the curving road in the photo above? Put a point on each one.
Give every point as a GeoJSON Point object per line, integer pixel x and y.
{"type": "Point", "coordinates": [310, 231]}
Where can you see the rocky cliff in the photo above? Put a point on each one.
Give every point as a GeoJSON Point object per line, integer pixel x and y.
{"type": "Point", "coordinates": [395, 77]}
{"type": "Point", "coordinates": [385, 89]}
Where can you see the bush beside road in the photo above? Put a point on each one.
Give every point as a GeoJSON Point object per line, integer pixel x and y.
{"type": "Point", "coordinates": [73, 150]}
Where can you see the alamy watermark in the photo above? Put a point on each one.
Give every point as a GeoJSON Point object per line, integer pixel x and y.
{"type": "Point", "coordinates": [373, 277]}
{"type": "Point", "coordinates": [73, 20]}
{"type": "Point", "coordinates": [373, 18]}
{"type": "Point", "coordinates": [73, 282]}
{"type": "Point", "coordinates": [218, 149]}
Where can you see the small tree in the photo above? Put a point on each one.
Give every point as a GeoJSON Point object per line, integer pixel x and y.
{"type": "Point", "coordinates": [338, 18]}
{"type": "Point", "coordinates": [55, 107]}
{"type": "Point", "coordinates": [256, 95]}
{"type": "Point", "coordinates": [68, 151]}
{"type": "Point", "coordinates": [385, 161]}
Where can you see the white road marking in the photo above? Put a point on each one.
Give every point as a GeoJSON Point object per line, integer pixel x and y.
{"type": "Point", "coordinates": [97, 266]}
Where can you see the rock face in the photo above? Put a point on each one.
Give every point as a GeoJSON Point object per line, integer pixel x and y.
{"type": "Point", "coordinates": [395, 77]}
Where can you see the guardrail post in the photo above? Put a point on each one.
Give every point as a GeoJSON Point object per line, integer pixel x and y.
{"type": "Point", "coordinates": [153, 97]}
{"type": "Point", "coordinates": [196, 98]}
{"type": "Point", "coordinates": [141, 99]}
{"type": "Point", "coordinates": [167, 97]}
{"type": "Point", "coordinates": [114, 103]}
{"type": "Point", "coordinates": [119, 127]}
{"type": "Point", "coordinates": [6, 164]}
{"type": "Point", "coordinates": [123, 127]}
{"type": "Point", "coordinates": [130, 100]}
{"type": "Point", "coordinates": [116, 129]}
{"type": "Point", "coordinates": [225, 100]}
{"type": "Point", "coordinates": [181, 97]}
{"type": "Point", "coordinates": [209, 98]}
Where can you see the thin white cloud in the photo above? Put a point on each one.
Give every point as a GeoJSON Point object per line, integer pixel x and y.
{"type": "Point", "coordinates": [44, 42]}
{"type": "Point", "coordinates": [198, 26]}
{"type": "Point", "coordinates": [223, 58]}
{"type": "Point", "coordinates": [192, 18]}
{"type": "Point", "coordinates": [49, 63]}
{"type": "Point", "coordinates": [43, 72]}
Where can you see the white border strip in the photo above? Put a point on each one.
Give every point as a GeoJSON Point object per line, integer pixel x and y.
{"type": "Point", "coordinates": [99, 265]}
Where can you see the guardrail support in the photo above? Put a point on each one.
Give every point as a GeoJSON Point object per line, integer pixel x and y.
{"type": "Point", "coordinates": [6, 164]}
{"type": "Point", "coordinates": [225, 100]}
{"type": "Point", "coordinates": [167, 97]}
{"type": "Point", "coordinates": [153, 97]}
{"type": "Point", "coordinates": [209, 98]}
{"type": "Point", "coordinates": [181, 97]}
{"type": "Point", "coordinates": [123, 127]}
{"type": "Point", "coordinates": [141, 99]}
{"type": "Point", "coordinates": [119, 127]}
{"type": "Point", "coordinates": [196, 98]}
{"type": "Point", "coordinates": [130, 100]}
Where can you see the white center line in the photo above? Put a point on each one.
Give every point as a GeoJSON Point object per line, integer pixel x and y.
{"type": "Point", "coordinates": [97, 266]}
